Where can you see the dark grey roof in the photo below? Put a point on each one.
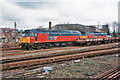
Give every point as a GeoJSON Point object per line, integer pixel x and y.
{"type": "Point", "coordinates": [78, 27]}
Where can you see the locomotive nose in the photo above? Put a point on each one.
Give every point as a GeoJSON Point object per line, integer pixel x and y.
{"type": "Point", "coordinates": [25, 40]}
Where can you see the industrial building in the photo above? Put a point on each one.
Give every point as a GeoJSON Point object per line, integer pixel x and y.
{"type": "Point", "coordinates": [78, 27]}
{"type": "Point", "coordinates": [82, 28]}
{"type": "Point", "coordinates": [103, 28]}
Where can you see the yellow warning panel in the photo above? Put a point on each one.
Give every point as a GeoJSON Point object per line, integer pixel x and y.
{"type": "Point", "coordinates": [25, 40]}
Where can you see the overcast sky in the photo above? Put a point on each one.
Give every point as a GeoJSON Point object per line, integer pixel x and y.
{"type": "Point", "coordinates": [31, 14]}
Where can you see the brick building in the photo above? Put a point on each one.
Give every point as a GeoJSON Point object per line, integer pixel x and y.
{"type": "Point", "coordinates": [8, 35]}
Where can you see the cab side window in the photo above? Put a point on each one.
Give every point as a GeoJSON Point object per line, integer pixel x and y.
{"type": "Point", "coordinates": [35, 34]}
{"type": "Point", "coordinates": [31, 34]}
{"type": "Point", "coordinates": [23, 34]}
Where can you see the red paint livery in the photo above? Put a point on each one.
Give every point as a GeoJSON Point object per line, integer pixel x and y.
{"type": "Point", "coordinates": [32, 39]}
{"type": "Point", "coordinates": [44, 37]}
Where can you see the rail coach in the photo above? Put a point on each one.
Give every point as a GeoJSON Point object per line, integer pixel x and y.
{"type": "Point", "coordinates": [36, 39]}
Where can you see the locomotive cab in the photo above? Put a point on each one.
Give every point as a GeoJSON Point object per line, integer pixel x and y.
{"type": "Point", "coordinates": [29, 37]}
{"type": "Point", "coordinates": [25, 38]}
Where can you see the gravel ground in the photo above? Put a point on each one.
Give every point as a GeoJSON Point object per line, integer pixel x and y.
{"type": "Point", "coordinates": [82, 68]}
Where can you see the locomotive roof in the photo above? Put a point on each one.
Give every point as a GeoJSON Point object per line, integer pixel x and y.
{"type": "Point", "coordinates": [53, 31]}
{"type": "Point", "coordinates": [94, 32]}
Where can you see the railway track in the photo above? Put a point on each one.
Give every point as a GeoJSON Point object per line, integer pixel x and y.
{"type": "Point", "coordinates": [16, 48]}
{"type": "Point", "coordinates": [10, 51]}
{"type": "Point", "coordinates": [29, 63]}
{"type": "Point", "coordinates": [112, 74]}
{"type": "Point", "coordinates": [56, 53]}
{"type": "Point", "coordinates": [22, 52]}
{"type": "Point", "coordinates": [5, 54]}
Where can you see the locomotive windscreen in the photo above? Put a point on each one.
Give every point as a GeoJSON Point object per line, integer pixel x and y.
{"type": "Point", "coordinates": [26, 33]}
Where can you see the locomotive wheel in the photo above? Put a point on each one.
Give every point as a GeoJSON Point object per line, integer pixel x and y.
{"type": "Point", "coordinates": [57, 44]}
{"type": "Point", "coordinates": [98, 42]}
{"type": "Point", "coordinates": [43, 46]}
{"type": "Point", "coordinates": [50, 45]}
{"type": "Point", "coordinates": [63, 44]}
{"type": "Point", "coordinates": [117, 40]}
{"type": "Point", "coordinates": [70, 44]}
{"type": "Point", "coordinates": [81, 44]}
{"type": "Point", "coordinates": [106, 42]}
{"type": "Point", "coordinates": [88, 43]}
{"type": "Point", "coordinates": [38, 47]}
{"type": "Point", "coordinates": [23, 48]}
{"type": "Point", "coordinates": [29, 48]}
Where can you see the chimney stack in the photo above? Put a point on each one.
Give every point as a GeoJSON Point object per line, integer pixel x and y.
{"type": "Point", "coordinates": [50, 23]}
{"type": "Point", "coordinates": [15, 25]}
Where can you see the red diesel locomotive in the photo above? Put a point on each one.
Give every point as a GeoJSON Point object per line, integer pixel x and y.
{"type": "Point", "coordinates": [36, 39]}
